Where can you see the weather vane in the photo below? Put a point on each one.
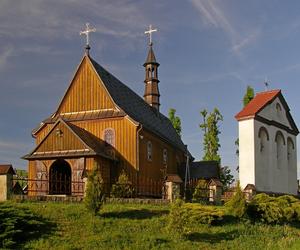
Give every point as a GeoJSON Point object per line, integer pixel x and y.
{"type": "Point", "coordinates": [149, 32]}
{"type": "Point", "coordinates": [87, 32]}
{"type": "Point", "coordinates": [266, 83]}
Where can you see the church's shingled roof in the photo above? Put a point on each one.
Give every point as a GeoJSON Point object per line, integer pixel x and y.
{"type": "Point", "coordinates": [257, 104]}
{"type": "Point", "coordinates": [134, 106]}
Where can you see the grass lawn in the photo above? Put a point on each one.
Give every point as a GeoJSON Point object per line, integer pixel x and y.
{"type": "Point", "coordinates": [131, 226]}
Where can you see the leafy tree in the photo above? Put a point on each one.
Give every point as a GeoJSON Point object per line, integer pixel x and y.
{"type": "Point", "coordinates": [210, 127]}
{"type": "Point", "coordinates": [123, 187]}
{"type": "Point", "coordinates": [201, 193]}
{"type": "Point", "coordinates": [237, 204]}
{"type": "Point", "coordinates": [175, 120]}
{"type": "Point", "coordinates": [94, 196]}
{"type": "Point", "coordinates": [249, 95]}
{"type": "Point", "coordinates": [226, 177]}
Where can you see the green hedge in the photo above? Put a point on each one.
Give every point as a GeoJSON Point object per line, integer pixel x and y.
{"type": "Point", "coordinates": [274, 210]}
{"type": "Point", "coordinates": [183, 216]}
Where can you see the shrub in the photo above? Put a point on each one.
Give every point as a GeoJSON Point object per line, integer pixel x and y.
{"type": "Point", "coordinates": [18, 225]}
{"type": "Point", "coordinates": [178, 219]}
{"type": "Point", "coordinates": [184, 216]}
{"type": "Point", "coordinates": [237, 203]}
{"type": "Point", "coordinates": [201, 192]}
{"type": "Point", "coordinates": [94, 196]}
{"type": "Point", "coordinates": [274, 210]}
{"type": "Point", "coordinates": [123, 188]}
{"type": "Point", "coordinates": [203, 214]}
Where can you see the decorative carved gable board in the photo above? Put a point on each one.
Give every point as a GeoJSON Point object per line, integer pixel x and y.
{"type": "Point", "coordinates": [60, 138]}
{"type": "Point", "coordinates": [86, 91]}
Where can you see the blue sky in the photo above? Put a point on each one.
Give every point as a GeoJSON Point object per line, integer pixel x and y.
{"type": "Point", "coordinates": [209, 51]}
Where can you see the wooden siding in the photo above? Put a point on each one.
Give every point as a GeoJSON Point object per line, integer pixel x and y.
{"type": "Point", "coordinates": [42, 133]}
{"type": "Point", "coordinates": [125, 137]}
{"type": "Point", "coordinates": [86, 92]}
{"type": "Point", "coordinates": [66, 141]}
{"type": "Point", "coordinates": [152, 169]}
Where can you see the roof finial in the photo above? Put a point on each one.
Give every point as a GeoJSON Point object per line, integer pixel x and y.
{"type": "Point", "coordinates": [266, 83]}
{"type": "Point", "coordinates": [87, 32]}
{"type": "Point", "coordinates": [150, 31]}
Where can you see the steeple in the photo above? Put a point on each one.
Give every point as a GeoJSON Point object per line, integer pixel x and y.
{"type": "Point", "coordinates": [151, 94]}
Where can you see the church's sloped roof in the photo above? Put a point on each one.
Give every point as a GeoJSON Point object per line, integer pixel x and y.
{"type": "Point", "coordinates": [6, 168]}
{"type": "Point", "coordinates": [136, 108]}
{"type": "Point", "coordinates": [257, 104]}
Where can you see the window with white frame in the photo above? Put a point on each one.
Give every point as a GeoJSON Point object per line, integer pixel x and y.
{"type": "Point", "coordinates": [109, 136]}
{"type": "Point", "coordinates": [149, 151]}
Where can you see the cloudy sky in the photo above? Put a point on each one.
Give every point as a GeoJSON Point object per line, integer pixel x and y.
{"type": "Point", "coordinates": [209, 51]}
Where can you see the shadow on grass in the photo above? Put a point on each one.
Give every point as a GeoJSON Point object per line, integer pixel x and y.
{"type": "Point", "coordinates": [212, 237]}
{"type": "Point", "coordinates": [140, 214]}
{"type": "Point", "coordinates": [19, 225]}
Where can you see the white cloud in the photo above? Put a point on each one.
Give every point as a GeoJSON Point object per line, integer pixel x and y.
{"type": "Point", "coordinates": [212, 14]}
{"type": "Point", "coordinates": [5, 54]}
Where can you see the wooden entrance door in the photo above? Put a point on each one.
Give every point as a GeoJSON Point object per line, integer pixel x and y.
{"type": "Point", "coordinates": [60, 178]}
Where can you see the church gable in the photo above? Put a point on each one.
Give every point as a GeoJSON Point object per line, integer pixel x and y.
{"type": "Point", "coordinates": [86, 92]}
{"type": "Point", "coordinates": [276, 111]}
{"type": "Point", "coordinates": [269, 107]}
{"type": "Point", "coordinates": [61, 138]}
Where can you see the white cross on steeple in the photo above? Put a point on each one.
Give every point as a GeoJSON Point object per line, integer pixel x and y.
{"type": "Point", "coordinates": [86, 32]}
{"type": "Point", "coordinates": [150, 31]}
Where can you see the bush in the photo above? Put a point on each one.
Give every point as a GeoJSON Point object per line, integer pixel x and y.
{"type": "Point", "coordinates": [201, 192]}
{"type": "Point", "coordinates": [183, 216]}
{"type": "Point", "coordinates": [18, 225]}
{"type": "Point", "coordinates": [237, 203]}
{"type": "Point", "coordinates": [123, 188]}
{"type": "Point", "coordinates": [178, 219]}
{"type": "Point", "coordinates": [94, 196]}
{"type": "Point", "coordinates": [274, 210]}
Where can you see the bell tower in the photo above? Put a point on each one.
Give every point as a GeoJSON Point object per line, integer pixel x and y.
{"type": "Point", "coordinates": [151, 94]}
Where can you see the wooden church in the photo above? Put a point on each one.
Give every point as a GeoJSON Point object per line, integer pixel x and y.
{"type": "Point", "coordinates": [100, 122]}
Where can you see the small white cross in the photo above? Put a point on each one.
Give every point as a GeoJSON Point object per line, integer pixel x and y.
{"type": "Point", "coordinates": [87, 32]}
{"type": "Point", "coordinates": [150, 31]}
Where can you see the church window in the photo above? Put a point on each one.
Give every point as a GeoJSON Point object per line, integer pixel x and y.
{"type": "Point", "coordinates": [290, 148]}
{"type": "Point", "coordinates": [149, 151]}
{"type": "Point", "coordinates": [165, 156]}
{"type": "Point", "coordinates": [264, 137]}
{"type": "Point", "coordinates": [109, 136]}
{"type": "Point", "coordinates": [278, 108]}
{"type": "Point", "coordinates": [279, 148]}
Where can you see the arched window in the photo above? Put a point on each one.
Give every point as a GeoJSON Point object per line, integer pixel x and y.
{"type": "Point", "coordinates": [263, 135]}
{"type": "Point", "coordinates": [290, 149]}
{"type": "Point", "coordinates": [165, 156]}
{"type": "Point", "coordinates": [149, 151]}
{"type": "Point", "coordinates": [109, 136]}
{"type": "Point", "coordinates": [278, 108]}
{"type": "Point", "coordinates": [280, 142]}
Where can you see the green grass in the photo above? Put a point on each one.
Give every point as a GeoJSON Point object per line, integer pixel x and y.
{"type": "Point", "coordinates": [132, 226]}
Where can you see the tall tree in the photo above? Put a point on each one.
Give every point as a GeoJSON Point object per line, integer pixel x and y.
{"type": "Point", "coordinates": [249, 95]}
{"type": "Point", "coordinates": [226, 177]}
{"type": "Point", "coordinates": [175, 120]}
{"type": "Point", "coordinates": [210, 127]}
